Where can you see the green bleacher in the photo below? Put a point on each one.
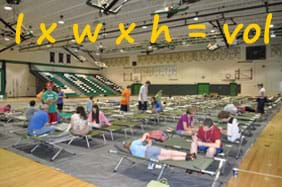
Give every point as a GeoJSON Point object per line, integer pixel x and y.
{"type": "Point", "coordinates": [68, 91]}
{"type": "Point", "coordinates": [86, 84]}
{"type": "Point", "coordinates": [110, 84]}
{"type": "Point", "coordinates": [104, 86]}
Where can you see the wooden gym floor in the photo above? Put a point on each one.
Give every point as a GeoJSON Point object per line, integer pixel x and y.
{"type": "Point", "coordinates": [263, 162]}
{"type": "Point", "coordinates": [16, 170]}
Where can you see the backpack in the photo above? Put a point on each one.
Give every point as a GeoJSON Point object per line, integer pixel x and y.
{"type": "Point", "coordinates": [158, 135]}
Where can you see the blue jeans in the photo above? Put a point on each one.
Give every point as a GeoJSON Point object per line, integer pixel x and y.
{"type": "Point", "coordinates": [205, 148]}
{"type": "Point", "coordinates": [43, 130]}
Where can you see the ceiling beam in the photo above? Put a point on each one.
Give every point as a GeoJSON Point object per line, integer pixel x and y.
{"type": "Point", "coordinates": [222, 34]}
{"type": "Point", "coordinates": [10, 27]}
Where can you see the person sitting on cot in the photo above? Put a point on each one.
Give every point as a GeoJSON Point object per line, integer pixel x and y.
{"type": "Point", "coordinates": [233, 131]}
{"type": "Point", "coordinates": [156, 105]}
{"type": "Point", "coordinates": [38, 123]}
{"type": "Point", "coordinates": [79, 123]}
{"type": "Point", "coordinates": [6, 109]}
{"type": "Point", "coordinates": [184, 124]}
{"type": "Point", "coordinates": [31, 110]}
{"type": "Point", "coordinates": [143, 148]}
{"type": "Point", "coordinates": [208, 139]}
{"type": "Point", "coordinates": [97, 118]}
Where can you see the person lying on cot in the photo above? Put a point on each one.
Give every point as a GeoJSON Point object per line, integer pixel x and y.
{"type": "Point", "coordinates": [6, 109]}
{"type": "Point", "coordinates": [237, 108]}
{"type": "Point", "coordinates": [79, 123]}
{"type": "Point", "coordinates": [184, 124]}
{"type": "Point", "coordinates": [143, 148]}
{"type": "Point", "coordinates": [156, 105]}
{"type": "Point", "coordinates": [38, 123]}
{"type": "Point", "coordinates": [97, 118]}
{"type": "Point", "coordinates": [233, 131]}
{"type": "Point", "coordinates": [208, 139]}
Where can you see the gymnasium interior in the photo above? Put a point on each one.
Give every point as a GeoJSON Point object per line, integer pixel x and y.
{"type": "Point", "coordinates": [145, 66]}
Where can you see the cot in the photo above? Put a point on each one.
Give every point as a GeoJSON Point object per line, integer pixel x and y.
{"type": "Point", "coordinates": [201, 164]}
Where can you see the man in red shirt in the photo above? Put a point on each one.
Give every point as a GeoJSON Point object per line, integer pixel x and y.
{"type": "Point", "coordinates": [208, 139]}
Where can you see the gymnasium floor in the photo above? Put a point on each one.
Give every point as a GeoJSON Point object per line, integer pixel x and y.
{"type": "Point", "coordinates": [95, 165]}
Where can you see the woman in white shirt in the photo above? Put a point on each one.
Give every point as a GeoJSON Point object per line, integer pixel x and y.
{"type": "Point", "coordinates": [233, 131]}
{"type": "Point", "coordinates": [79, 124]}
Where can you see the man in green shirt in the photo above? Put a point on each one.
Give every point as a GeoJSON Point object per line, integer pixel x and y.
{"type": "Point", "coordinates": [50, 97]}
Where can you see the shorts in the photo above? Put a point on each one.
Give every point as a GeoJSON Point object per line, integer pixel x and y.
{"type": "Point", "coordinates": [60, 106]}
{"type": "Point", "coordinates": [52, 117]}
{"type": "Point", "coordinates": [142, 106]}
{"type": "Point", "coordinates": [180, 132]}
{"type": "Point", "coordinates": [152, 152]}
{"type": "Point", "coordinates": [124, 108]}
{"type": "Point", "coordinates": [205, 148]}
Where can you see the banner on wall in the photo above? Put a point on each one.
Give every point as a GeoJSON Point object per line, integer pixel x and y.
{"type": "Point", "coordinates": [155, 71]}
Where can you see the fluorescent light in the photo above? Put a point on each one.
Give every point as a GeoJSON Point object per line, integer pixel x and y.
{"type": "Point", "coordinates": [6, 39]}
{"type": "Point", "coordinates": [196, 18]}
{"type": "Point", "coordinates": [73, 40]}
{"type": "Point", "coordinates": [76, 50]}
{"type": "Point", "coordinates": [61, 22]}
{"type": "Point", "coordinates": [121, 50]}
{"type": "Point", "coordinates": [8, 7]}
{"type": "Point", "coordinates": [273, 35]}
{"type": "Point", "coordinates": [212, 31]}
{"type": "Point", "coordinates": [49, 45]}
{"type": "Point", "coordinates": [144, 27]}
{"type": "Point", "coordinates": [271, 26]}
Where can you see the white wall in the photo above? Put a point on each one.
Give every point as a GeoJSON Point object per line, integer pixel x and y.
{"type": "Point", "coordinates": [202, 66]}
{"type": "Point", "coordinates": [20, 82]}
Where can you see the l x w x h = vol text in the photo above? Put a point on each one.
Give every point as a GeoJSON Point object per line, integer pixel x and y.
{"type": "Point", "coordinates": [157, 30]}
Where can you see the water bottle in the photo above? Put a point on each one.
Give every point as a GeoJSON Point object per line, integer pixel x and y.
{"type": "Point", "coordinates": [235, 172]}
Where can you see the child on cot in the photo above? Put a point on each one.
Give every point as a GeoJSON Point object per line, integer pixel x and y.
{"type": "Point", "coordinates": [208, 139]}
{"type": "Point", "coordinates": [38, 124]}
{"type": "Point", "coordinates": [31, 110]}
{"type": "Point", "coordinates": [184, 124]}
{"type": "Point", "coordinates": [5, 109]}
{"type": "Point", "coordinates": [233, 131]}
{"type": "Point", "coordinates": [79, 123]}
{"type": "Point", "coordinates": [143, 148]}
{"type": "Point", "coordinates": [96, 118]}
{"type": "Point", "coordinates": [156, 105]}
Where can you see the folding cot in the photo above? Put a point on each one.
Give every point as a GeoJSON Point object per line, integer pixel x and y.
{"type": "Point", "coordinates": [201, 164]}
{"type": "Point", "coordinates": [46, 140]}
{"type": "Point", "coordinates": [118, 126]}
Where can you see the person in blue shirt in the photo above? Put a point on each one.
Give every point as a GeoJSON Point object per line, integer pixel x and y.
{"type": "Point", "coordinates": [156, 105]}
{"type": "Point", "coordinates": [60, 101]}
{"type": "Point", "coordinates": [31, 110]}
{"type": "Point", "coordinates": [89, 105]}
{"type": "Point", "coordinates": [39, 121]}
{"type": "Point", "coordinates": [143, 148]}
